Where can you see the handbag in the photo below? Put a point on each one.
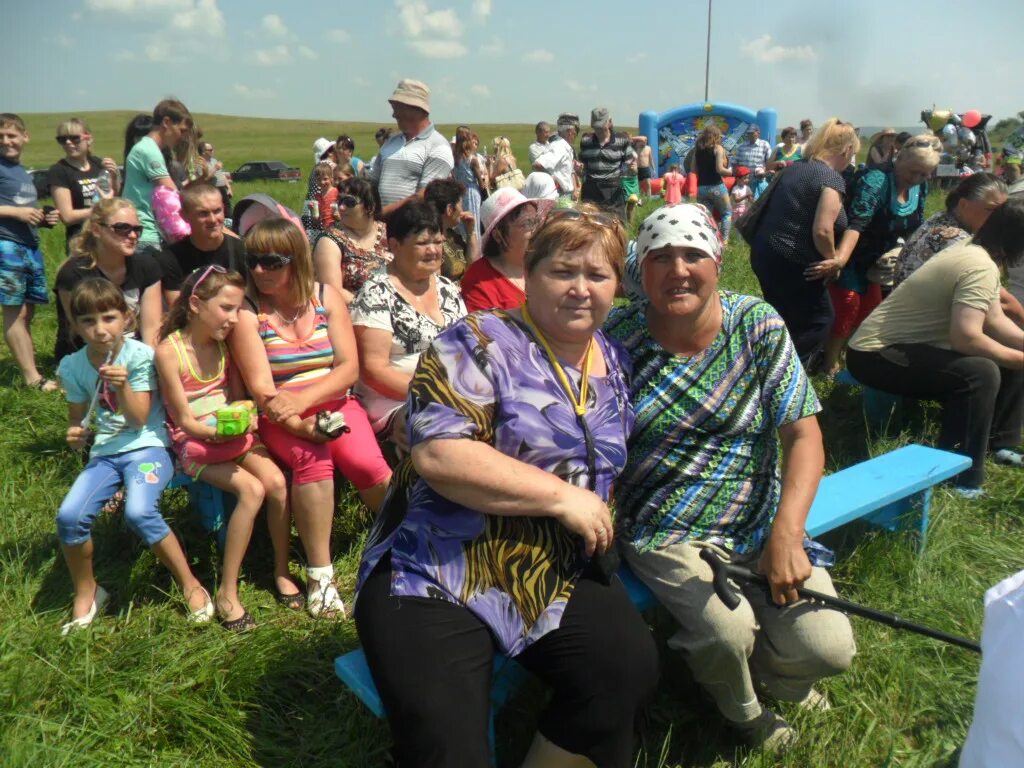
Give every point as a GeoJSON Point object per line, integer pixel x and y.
{"type": "Point", "coordinates": [747, 224]}
{"type": "Point", "coordinates": [513, 178]}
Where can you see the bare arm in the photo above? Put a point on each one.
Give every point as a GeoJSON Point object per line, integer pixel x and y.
{"type": "Point", "coordinates": [249, 355]}
{"type": "Point", "coordinates": [150, 312]}
{"type": "Point", "coordinates": [825, 215]}
{"type": "Point", "coordinates": [722, 161]}
{"type": "Point", "coordinates": [327, 263]}
{"type": "Point", "coordinates": [32, 216]}
{"type": "Point", "coordinates": [1012, 308]}
{"type": "Point", "coordinates": [480, 477]}
{"type": "Point", "coordinates": [68, 214]}
{"type": "Point", "coordinates": [375, 366]}
{"type": "Point", "coordinates": [1002, 328]}
{"type": "Point", "coordinates": [967, 336]}
{"type": "Point", "coordinates": [76, 434]}
{"type": "Point", "coordinates": [783, 559]}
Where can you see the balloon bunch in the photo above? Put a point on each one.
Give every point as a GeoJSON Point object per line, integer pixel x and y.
{"type": "Point", "coordinates": [955, 130]}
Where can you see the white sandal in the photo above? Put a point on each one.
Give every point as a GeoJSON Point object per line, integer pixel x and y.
{"type": "Point", "coordinates": [322, 598]}
{"type": "Point", "coordinates": [98, 601]}
{"type": "Point", "coordinates": [201, 615]}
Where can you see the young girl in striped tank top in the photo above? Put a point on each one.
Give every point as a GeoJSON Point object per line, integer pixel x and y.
{"type": "Point", "coordinates": [196, 379]}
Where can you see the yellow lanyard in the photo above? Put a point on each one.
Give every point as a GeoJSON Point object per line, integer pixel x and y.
{"type": "Point", "coordinates": [579, 405]}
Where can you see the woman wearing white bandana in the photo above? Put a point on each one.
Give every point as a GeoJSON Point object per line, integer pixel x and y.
{"type": "Point", "coordinates": [716, 381]}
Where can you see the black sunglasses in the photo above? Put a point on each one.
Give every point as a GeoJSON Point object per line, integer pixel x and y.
{"type": "Point", "coordinates": [123, 229]}
{"type": "Point", "coordinates": [73, 138]}
{"type": "Point", "coordinates": [348, 201]}
{"type": "Point", "coordinates": [268, 262]}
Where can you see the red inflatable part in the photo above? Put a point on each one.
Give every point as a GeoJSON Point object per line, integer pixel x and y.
{"type": "Point", "coordinates": [691, 184]}
{"type": "Point", "coordinates": [656, 186]}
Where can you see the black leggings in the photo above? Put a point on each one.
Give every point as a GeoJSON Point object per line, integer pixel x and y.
{"type": "Point", "coordinates": [982, 404]}
{"type": "Point", "coordinates": [431, 661]}
{"type": "Point", "coordinates": [804, 305]}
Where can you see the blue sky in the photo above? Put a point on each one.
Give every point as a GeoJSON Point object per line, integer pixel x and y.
{"type": "Point", "coordinates": [873, 62]}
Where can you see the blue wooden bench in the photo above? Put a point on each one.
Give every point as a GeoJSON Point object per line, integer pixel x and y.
{"type": "Point", "coordinates": [889, 491]}
{"type": "Point", "coordinates": [214, 505]}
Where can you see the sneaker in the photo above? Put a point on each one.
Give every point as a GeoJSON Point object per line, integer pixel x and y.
{"type": "Point", "coordinates": [968, 492]}
{"type": "Point", "coordinates": [768, 731]}
{"type": "Point", "coordinates": [815, 701]}
{"type": "Point", "coordinates": [1008, 457]}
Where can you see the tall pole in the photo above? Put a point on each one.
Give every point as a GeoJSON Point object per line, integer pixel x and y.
{"type": "Point", "coordinates": [707, 56]}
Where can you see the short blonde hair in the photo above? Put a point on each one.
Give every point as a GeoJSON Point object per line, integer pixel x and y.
{"type": "Point", "coordinates": [281, 236]}
{"type": "Point", "coordinates": [564, 230]}
{"type": "Point", "coordinates": [831, 139]}
{"type": "Point", "coordinates": [71, 126]}
{"type": "Point", "coordinates": [922, 151]}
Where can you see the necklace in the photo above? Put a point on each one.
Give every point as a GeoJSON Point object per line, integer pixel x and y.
{"type": "Point", "coordinates": [290, 320]}
{"type": "Point", "coordinates": [580, 405]}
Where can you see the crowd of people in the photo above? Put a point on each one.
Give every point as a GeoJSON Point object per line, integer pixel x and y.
{"type": "Point", "coordinates": [451, 347]}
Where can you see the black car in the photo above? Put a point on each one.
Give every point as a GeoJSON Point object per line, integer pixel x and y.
{"type": "Point", "coordinates": [273, 170]}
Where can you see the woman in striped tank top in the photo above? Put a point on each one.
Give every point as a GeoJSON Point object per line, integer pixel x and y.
{"type": "Point", "coordinates": [297, 354]}
{"type": "Point", "coordinates": [196, 379]}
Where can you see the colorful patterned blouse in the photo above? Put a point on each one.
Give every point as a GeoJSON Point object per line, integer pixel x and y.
{"type": "Point", "coordinates": [486, 379]}
{"type": "Point", "coordinates": [703, 460]}
{"type": "Point", "coordinates": [358, 264]}
{"type": "Point", "coordinates": [295, 363]}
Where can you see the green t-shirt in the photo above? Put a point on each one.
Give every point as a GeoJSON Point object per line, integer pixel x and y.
{"type": "Point", "coordinates": [145, 164]}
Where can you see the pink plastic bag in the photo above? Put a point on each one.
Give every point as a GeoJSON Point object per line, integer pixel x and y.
{"type": "Point", "coordinates": [167, 210]}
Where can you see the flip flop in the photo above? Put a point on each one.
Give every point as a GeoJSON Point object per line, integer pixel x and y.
{"type": "Point", "coordinates": [204, 614]}
{"type": "Point", "coordinates": [99, 600]}
{"type": "Point", "coordinates": [44, 384]}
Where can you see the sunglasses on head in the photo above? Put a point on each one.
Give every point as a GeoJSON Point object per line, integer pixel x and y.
{"type": "Point", "coordinates": [212, 268]}
{"type": "Point", "coordinates": [268, 262]}
{"type": "Point", "coordinates": [123, 229]}
{"type": "Point", "coordinates": [348, 201]}
{"type": "Point", "coordinates": [73, 138]}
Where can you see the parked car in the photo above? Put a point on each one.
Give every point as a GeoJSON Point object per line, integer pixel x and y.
{"type": "Point", "coordinates": [273, 170]}
{"type": "Point", "coordinates": [41, 180]}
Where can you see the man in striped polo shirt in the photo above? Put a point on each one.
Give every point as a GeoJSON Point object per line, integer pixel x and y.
{"type": "Point", "coordinates": [603, 154]}
{"type": "Point", "coordinates": [416, 155]}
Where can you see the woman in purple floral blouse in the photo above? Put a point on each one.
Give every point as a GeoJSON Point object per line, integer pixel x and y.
{"type": "Point", "coordinates": [496, 534]}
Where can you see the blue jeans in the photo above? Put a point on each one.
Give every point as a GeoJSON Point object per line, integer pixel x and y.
{"type": "Point", "coordinates": [716, 198]}
{"type": "Point", "coordinates": [144, 473]}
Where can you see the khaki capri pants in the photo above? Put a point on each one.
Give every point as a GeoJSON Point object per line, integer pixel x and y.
{"type": "Point", "coordinates": [759, 647]}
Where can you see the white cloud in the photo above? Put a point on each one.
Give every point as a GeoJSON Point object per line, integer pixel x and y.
{"type": "Point", "coordinates": [274, 24]}
{"type": "Point", "coordinates": [62, 40]}
{"type": "Point", "coordinates": [480, 90]}
{"type": "Point", "coordinates": [577, 87]}
{"type": "Point", "coordinates": [637, 57]}
{"type": "Point", "coordinates": [419, 21]}
{"type": "Point", "coordinates": [762, 50]}
{"type": "Point", "coordinates": [338, 35]}
{"type": "Point", "coordinates": [271, 57]}
{"type": "Point", "coordinates": [438, 49]}
{"type": "Point", "coordinates": [539, 55]}
{"type": "Point", "coordinates": [481, 8]}
{"type": "Point", "coordinates": [204, 17]}
{"type": "Point", "coordinates": [494, 48]}
{"type": "Point", "coordinates": [159, 50]}
{"type": "Point", "coordinates": [308, 53]}
{"type": "Point", "coordinates": [360, 81]}
{"type": "Point", "coordinates": [201, 17]}
{"type": "Point", "coordinates": [252, 93]}
{"type": "Point", "coordinates": [125, 56]}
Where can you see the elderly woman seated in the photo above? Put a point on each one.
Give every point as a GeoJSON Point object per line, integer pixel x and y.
{"type": "Point", "coordinates": [716, 384]}
{"type": "Point", "coordinates": [494, 536]}
{"type": "Point", "coordinates": [398, 313]}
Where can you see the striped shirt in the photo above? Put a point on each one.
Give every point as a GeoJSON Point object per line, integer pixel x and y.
{"type": "Point", "coordinates": [295, 363]}
{"type": "Point", "coordinates": [603, 162]}
{"type": "Point", "coordinates": [404, 167]}
{"type": "Point", "coordinates": [703, 456]}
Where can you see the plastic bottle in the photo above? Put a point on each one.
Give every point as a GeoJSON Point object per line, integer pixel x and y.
{"type": "Point", "coordinates": [103, 186]}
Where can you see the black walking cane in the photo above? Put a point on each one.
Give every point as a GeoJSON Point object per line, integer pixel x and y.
{"type": "Point", "coordinates": [723, 571]}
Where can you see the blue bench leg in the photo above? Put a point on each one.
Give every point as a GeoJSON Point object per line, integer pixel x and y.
{"type": "Point", "coordinates": [214, 506]}
{"type": "Point", "coordinates": [894, 516]}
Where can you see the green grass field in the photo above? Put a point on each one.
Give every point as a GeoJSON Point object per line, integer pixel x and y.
{"type": "Point", "coordinates": [141, 688]}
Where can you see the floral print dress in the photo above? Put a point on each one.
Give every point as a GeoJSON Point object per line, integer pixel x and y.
{"type": "Point", "coordinates": [359, 264]}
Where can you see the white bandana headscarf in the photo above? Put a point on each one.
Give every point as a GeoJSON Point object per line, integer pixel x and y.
{"type": "Point", "coordinates": [688, 225]}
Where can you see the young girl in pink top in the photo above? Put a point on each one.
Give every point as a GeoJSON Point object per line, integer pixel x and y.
{"type": "Point", "coordinates": [673, 185]}
{"type": "Point", "coordinates": [197, 379]}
